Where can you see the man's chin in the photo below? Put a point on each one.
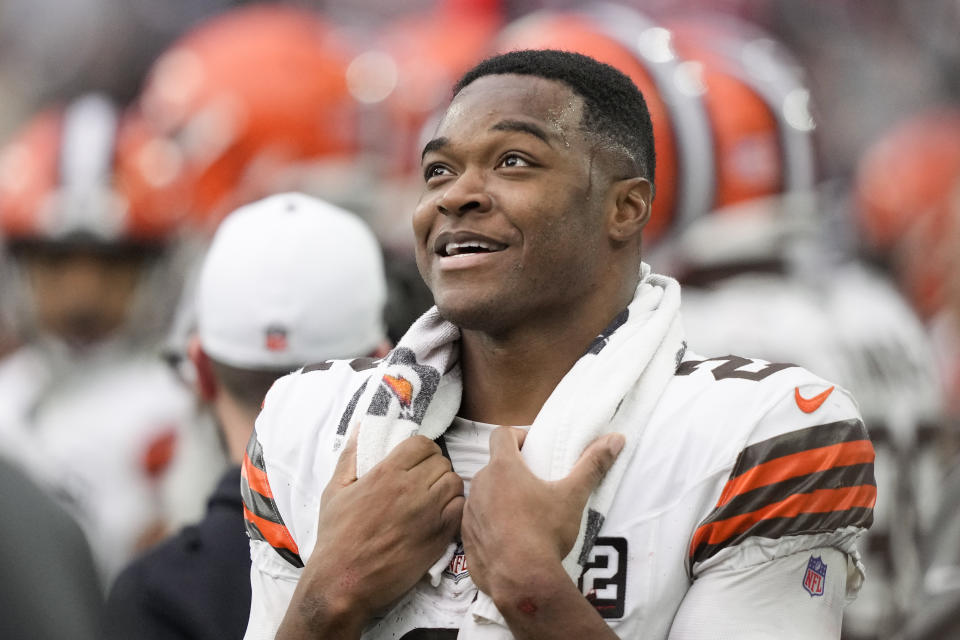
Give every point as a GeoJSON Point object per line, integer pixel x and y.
{"type": "Point", "coordinates": [83, 338]}
{"type": "Point", "coordinates": [474, 315]}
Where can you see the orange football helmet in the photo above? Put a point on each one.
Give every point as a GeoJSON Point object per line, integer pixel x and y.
{"type": "Point", "coordinates": [906, 173]}
{"type": "Point", "coordinates": [81, 172]}
{"type": "Point", "coordinates": [757, 104]}
{"type": "Point", "coordinates": [246, 95]}
{"type": "Point", "coordinates": [907, 202]}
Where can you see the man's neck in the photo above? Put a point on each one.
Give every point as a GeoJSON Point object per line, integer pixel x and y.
{"type": "Point", "coordinates": [235, 422]}
{"type": "Point", "coordinates": [507, 379]}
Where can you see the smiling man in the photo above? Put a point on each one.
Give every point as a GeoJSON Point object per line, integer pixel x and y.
{"type": "Point", "coordinates": [616, 484]}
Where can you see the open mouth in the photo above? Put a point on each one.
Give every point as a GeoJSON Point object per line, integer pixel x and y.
{"type": "Point", "coordinates": [453, 245]}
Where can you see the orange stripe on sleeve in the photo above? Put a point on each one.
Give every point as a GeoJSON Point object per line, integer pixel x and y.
{"type": "Point", "coordinates": [276, 535]}
{"type": "Point", "coordinates": [819, 501]}
{"type": "Point", "coordinates": [798, 464]}
{"type": "Point", "coordinates": [256, 478]}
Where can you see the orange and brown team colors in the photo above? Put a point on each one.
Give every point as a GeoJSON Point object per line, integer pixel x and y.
{"type": "Point", "coordinates": [771, 492]}
{"type": "Point", "coordinates": [261, 515]}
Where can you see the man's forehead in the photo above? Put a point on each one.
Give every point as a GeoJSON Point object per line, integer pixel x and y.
{"type": "Point", "coordinates": [517, 98]}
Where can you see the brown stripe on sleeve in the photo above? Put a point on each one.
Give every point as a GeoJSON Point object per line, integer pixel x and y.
{"type": "Point", "coordinates": [261, 505]}
{"type": "Point", "coordinates": [820, 435]}
{"type": "Point", "coordinates": [260, 512]}
{"type": "Point", "coordinates": [813, 480]}
{"type": "Point", "coordinates": [255, 477]}
{"type": "Point", "coordinates": [256, 533]}
{"type": "Point", "coordinates": [797, 465]}
{"type": "Point", "coordinates": [255, 452]}
{"type": "Point", "coordinates": [805, 523]}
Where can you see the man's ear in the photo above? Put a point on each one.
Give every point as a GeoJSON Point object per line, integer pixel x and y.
{"type": "Point", "coordinates": [630, 208]}
{"type": "Point", "coordinates": [206, 380]}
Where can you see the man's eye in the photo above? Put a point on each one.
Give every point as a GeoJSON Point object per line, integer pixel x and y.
{"type": "Point", "coordinates": [514, 160]}
{"type": "Point", "coordinates": [435, 170]}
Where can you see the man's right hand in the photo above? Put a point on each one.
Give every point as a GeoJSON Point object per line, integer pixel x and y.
{"type": "Point", "coordinates": [376, 537]}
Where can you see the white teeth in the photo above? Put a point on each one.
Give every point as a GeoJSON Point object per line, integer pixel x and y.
{"type": "Point", "coordinates": [455, 248]}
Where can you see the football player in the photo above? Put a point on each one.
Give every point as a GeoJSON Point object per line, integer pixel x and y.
{"type": "Point", "coordinates": [88, 404]}
{"type": "Point", "coordinates": [617, 484]}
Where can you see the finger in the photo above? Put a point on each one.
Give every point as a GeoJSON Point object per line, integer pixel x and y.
{"type": "Point", "coordinates": [593, 465]}
{"type": "Point", "coordinates": [446, 488]}
{"type": "Point", "coordinates": [413, 451]}
{"type": "Point", "coordinates": [451, 517]}
{"type": "Point", "coordinates": [430, 470]}
{"type": "Point", "coordinates": [506, 442]}
{"type": "Point", "coordinates": [346, 470]}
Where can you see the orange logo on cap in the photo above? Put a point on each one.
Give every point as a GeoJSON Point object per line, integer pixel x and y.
{"type": "Point", "coordinates": [402, 388]}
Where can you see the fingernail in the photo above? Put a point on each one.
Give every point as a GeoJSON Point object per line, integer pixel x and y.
{"type": "Point", "coordinates": [616, 443]}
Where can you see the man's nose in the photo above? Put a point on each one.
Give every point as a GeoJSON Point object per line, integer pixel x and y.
{"type": "Point", "coordinates": [466, 193]}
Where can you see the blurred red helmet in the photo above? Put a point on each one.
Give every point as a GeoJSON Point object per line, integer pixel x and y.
{"type": "Point", "coordinates": [422, 57]}
{"type": "Point", "coordinates": [927, 258]}
{"type": "Point", "coordinates": [79, 173]}
{"type": "Point", "coordinates": [244, 96]}
{"type": "Point", "coordinates": [907, 201]}
{"type": "Point", "coordinates": [910, 171]}
{"type": "Point", "coordinates": [757, 104]}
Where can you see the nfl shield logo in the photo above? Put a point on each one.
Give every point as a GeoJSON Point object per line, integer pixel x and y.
{"type": "Point", "coordinates": [275, 338]}
{"type": "Point", "coordinates": [457, 569]}
{"type": "Point", "coordinates": [815, 576]}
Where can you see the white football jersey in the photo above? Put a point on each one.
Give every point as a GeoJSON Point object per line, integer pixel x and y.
{"type": "Point", "coordinates": [115, 437]}
{"type": "Point", "coordinates": [737, 517]}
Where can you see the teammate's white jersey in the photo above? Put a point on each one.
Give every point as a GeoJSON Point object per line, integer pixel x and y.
{"type": "Point", "coordinates": [114, 436]}
{"type": "Point", "coordinates": [737, 516]}
{"type": "Point", "coordinates": [856, 329]}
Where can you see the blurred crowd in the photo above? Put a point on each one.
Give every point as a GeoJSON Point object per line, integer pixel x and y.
{"type": "Point", "coordinates": [807, 197]}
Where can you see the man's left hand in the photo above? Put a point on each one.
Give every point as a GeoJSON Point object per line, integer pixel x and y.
{"type": "Point", "coordinates": [514, 519]}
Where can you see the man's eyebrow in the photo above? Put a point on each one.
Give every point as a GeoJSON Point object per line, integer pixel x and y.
{"type": "Point", "coordinates": [504, 125]}
{"type": "Point", "coordinates": [434, 145]}
{"type": "Point", "coordinates": [522, 127]}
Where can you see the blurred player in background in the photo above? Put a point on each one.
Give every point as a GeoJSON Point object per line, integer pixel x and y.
{"type": "Point", "coordinates": [287, 281]}
{"type": "Point", "coordinates": [911, 228]}
{"type": "Point", "coordinates": [88, 406]}
{"type": "Point", "coordinates": [771, 274]}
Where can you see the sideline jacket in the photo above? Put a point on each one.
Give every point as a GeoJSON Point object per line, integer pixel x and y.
{"type": "Point", "coordinates": [192, 586]}
{"type": "Point", "coordinates": [737, 517]}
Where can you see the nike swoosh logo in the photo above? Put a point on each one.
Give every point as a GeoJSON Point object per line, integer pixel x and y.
{"type": "Point", "coordinates": [809, 405]}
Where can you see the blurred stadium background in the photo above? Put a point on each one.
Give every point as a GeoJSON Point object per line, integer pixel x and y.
{"type": "Point", "coordinates": [857, 249]}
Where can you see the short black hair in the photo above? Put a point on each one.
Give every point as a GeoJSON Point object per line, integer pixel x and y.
{"type": "Point", "coordinates": [614, 108]}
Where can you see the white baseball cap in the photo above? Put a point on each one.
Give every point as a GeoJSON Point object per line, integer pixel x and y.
{"type": "Point", "coordinates": [291, 280]}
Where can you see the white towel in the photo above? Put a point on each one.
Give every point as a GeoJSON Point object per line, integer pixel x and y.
{"type": "Point", "coordinates": [612, 388]}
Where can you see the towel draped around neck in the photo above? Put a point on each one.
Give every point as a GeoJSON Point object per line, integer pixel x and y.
{"type": "Point", "coordinates": [612, 388]}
